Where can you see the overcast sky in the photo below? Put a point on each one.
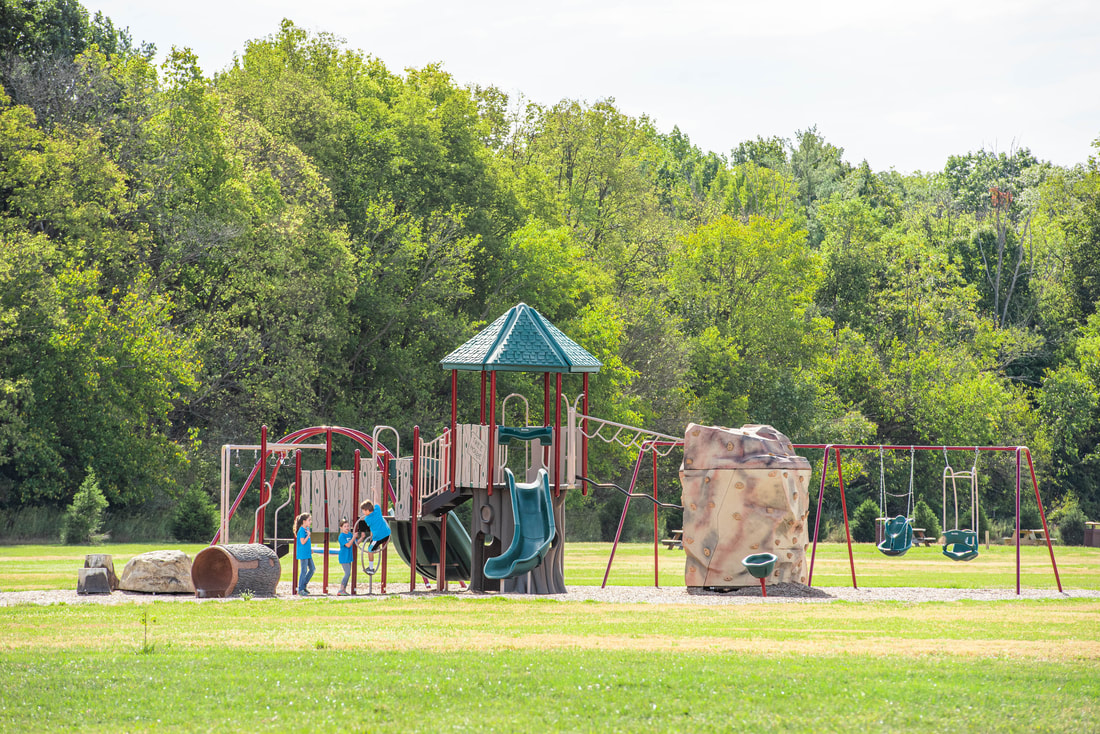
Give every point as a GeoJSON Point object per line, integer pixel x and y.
{"type": "Point", "coordinates": [902, 85]}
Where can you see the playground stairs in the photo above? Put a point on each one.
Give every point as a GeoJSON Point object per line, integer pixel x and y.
{"type": "Point", "coordinates": [444, 502]}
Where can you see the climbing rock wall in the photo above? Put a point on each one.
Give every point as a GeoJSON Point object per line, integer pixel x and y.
{"type": "Point", "coordinates": [744, 491]}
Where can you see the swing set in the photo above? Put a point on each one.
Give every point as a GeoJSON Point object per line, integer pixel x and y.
{"type": "Point", "coordinates": [960, 544]}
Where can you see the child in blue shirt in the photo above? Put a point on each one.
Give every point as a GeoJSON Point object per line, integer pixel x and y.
{"type": "Point", "coordinates": [303, 551]}
{"type": "Point", "coordinates": [374, 523]}
{"type": "Point", "coordinates": [346, 556]}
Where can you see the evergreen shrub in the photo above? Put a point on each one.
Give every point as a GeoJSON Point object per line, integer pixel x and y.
{"type": "Point", "coordinates": [195, 519]}
{"type": "Point", "coordinates": [83, 521]}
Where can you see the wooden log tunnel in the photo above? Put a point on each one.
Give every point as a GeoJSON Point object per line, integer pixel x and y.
{"type": "Point", "coordinates": [228, 570]}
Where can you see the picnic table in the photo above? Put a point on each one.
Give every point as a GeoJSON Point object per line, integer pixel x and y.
{"type": "Point", "coordinates": [1036, 536]}
{"type": "Point", "coordinates": [676, 541]}
{"type": "Point", "coordinates": [919, 537]}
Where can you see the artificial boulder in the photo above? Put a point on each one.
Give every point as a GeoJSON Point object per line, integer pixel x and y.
{"type": "Point", "coordinates": [106, 562]}
{"type": "Point", "coordinates": [745, 492]}
{"type": "Point", "coordinates": [158, 572]}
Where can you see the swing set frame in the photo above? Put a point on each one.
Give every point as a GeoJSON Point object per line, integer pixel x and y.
{"type": "Point", "coordinates": [1020, 452]}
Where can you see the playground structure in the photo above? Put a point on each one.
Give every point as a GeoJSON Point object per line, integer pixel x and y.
{"type": "Point", "coordinates": [515, 540]}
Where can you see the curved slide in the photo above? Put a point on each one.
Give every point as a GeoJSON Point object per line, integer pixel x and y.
{"type": "Point", "coordinates": [534, 528]}
{"type": "Point", "coordinates": [459, 548]}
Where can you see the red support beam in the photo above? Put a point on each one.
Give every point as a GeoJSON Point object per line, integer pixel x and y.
{"type": "Point", "coordinates": [557, 435]}
{"type": "Point", "coordinates": [414, 503]}
{"type": "Point", "coordinates": [656, 536]}
{"type": "Point", "coordinates": [328, 468]}
{"type": "Point", "coordinates": [492, 430]}
{"type": "Point", "coordinates": [265, 488]}
{"type": "Point", "coordinates": [584, 434]}
{"type": "Point", "coordinates": [385, 501]}
{"type": "Point", "coordinates": [1017, 522]}
{"type": "Point", "coordinates": [844, 509]}
{"type": "Point", "coordinates": [297, 511]}
{"type": "Point", "coordinates": [357, 464]}
{"type": "Point", "coordinates": [452, 454]}
{"type": "Point", "coordinates": [817, 517]}
{"type": "Point", "coordinates": [1043, 517]}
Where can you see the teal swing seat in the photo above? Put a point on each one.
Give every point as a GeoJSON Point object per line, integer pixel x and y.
{"type": "Point", "coordinates": [960, 545]}
{"type": "Point", "coordinates": [898, 536]}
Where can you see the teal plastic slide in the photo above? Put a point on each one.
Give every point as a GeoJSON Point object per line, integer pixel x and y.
{"type": "Point", "coordinates": [534, 528]}
{"type": "Point", "coordinates": [460, 555]}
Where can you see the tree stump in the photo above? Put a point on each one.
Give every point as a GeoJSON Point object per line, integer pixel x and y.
{"type": "Point", "coordinates": [93, 581]}
{"type": "Point", "coordinates": [105, 561]}
{"type": "Point", "coordinates": [230, 570]}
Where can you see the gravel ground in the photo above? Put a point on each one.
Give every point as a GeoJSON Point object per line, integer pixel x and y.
{"type": "Point", "coordinates": [777, 594]}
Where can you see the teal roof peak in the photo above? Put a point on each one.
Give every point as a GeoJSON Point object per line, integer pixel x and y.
{"type": "Point", "coordinates": [521, 340]}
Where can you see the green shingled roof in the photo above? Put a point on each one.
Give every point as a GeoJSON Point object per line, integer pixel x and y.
{"type": "Point", "coordinates": [521, 340]}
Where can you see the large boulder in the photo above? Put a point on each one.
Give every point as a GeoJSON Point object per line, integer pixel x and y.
{"type": "Point", "coordinates": [158, 572]}
{"type": "Point", "coordinates": [745, 492]}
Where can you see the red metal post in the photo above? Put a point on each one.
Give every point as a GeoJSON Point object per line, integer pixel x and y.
{"type": "Point", "coordinates": [297, 511]}
{"type": "Point", "coordinates": [1017, 522]}
{"type": "Point", "coordinates": [355, 516]}
{"type": "Point", "coordinates": [544, 451]}
{"type": "Point", "coordinates": [387, 490]}
{"type": "Point", "coordinates": [441, 576]}
{"type": "Point", "coordinates": [584, 435]}
{"type": "Point", "coordinates": [817, 519]}
{"type": "Point", "coordinates": [414, 505]}
{"type": "Point", "coordinates": [844, 509]}
{"type": "Point", "coordinates": [557, 435]}
{"type": "Point", "coordinates": [492, 430]}
{"type": "Point", "coordinates": [258, 531]}
{"type": "Point", "coordinates": [453, 479]}
{"type": "Point", "coordinates": [656, 537]}
{"type": "Point", "coordinates": [1043, 517]}
{"type": "Point", "coordinates": [328, 468]}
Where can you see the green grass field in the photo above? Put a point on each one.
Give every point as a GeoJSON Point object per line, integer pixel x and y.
{"type": "Point", "coordinates": [446, 663]}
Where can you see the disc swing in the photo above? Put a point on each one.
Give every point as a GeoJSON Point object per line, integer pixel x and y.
{"type": "Point", "coordinates": [960, 544]}
{"type": "Point", "coordinates": [898, 532]}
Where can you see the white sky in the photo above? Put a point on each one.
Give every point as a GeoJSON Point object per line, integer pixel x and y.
{"type": "Point", "coordinates": [903, 85]}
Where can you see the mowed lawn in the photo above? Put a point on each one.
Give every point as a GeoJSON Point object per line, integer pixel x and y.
{"type": "Point", "coordinates": [446, 663]}
{"type": "Point", "coordinates": [32, 567]}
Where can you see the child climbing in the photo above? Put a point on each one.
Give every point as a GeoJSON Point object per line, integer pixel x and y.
{"type": "Point", "coordinates": [346, 556]}
{"type": "Point", "coordinates": [303, 551]}
{"type": "Point", "coordinates": [373, 522]}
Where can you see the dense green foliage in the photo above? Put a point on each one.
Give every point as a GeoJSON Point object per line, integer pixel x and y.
{"type": "Point", "coordinates": [298, 241]}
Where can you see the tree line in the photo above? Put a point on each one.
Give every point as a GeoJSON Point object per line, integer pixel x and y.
{"type": "Point", "coordinates": [300, 238]}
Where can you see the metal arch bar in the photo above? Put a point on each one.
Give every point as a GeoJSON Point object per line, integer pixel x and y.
{"type": "Point", "coordinates": [303, 433]}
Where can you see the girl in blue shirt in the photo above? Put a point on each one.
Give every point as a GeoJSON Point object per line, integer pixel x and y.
{"type": "Point", "coordinates": [303, 551]}
{"type": "Point", "coordinates": [346, 556]}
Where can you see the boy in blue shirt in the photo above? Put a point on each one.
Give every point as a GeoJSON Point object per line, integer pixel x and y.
{"type": "Point", "coordinates": [373, 523]}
